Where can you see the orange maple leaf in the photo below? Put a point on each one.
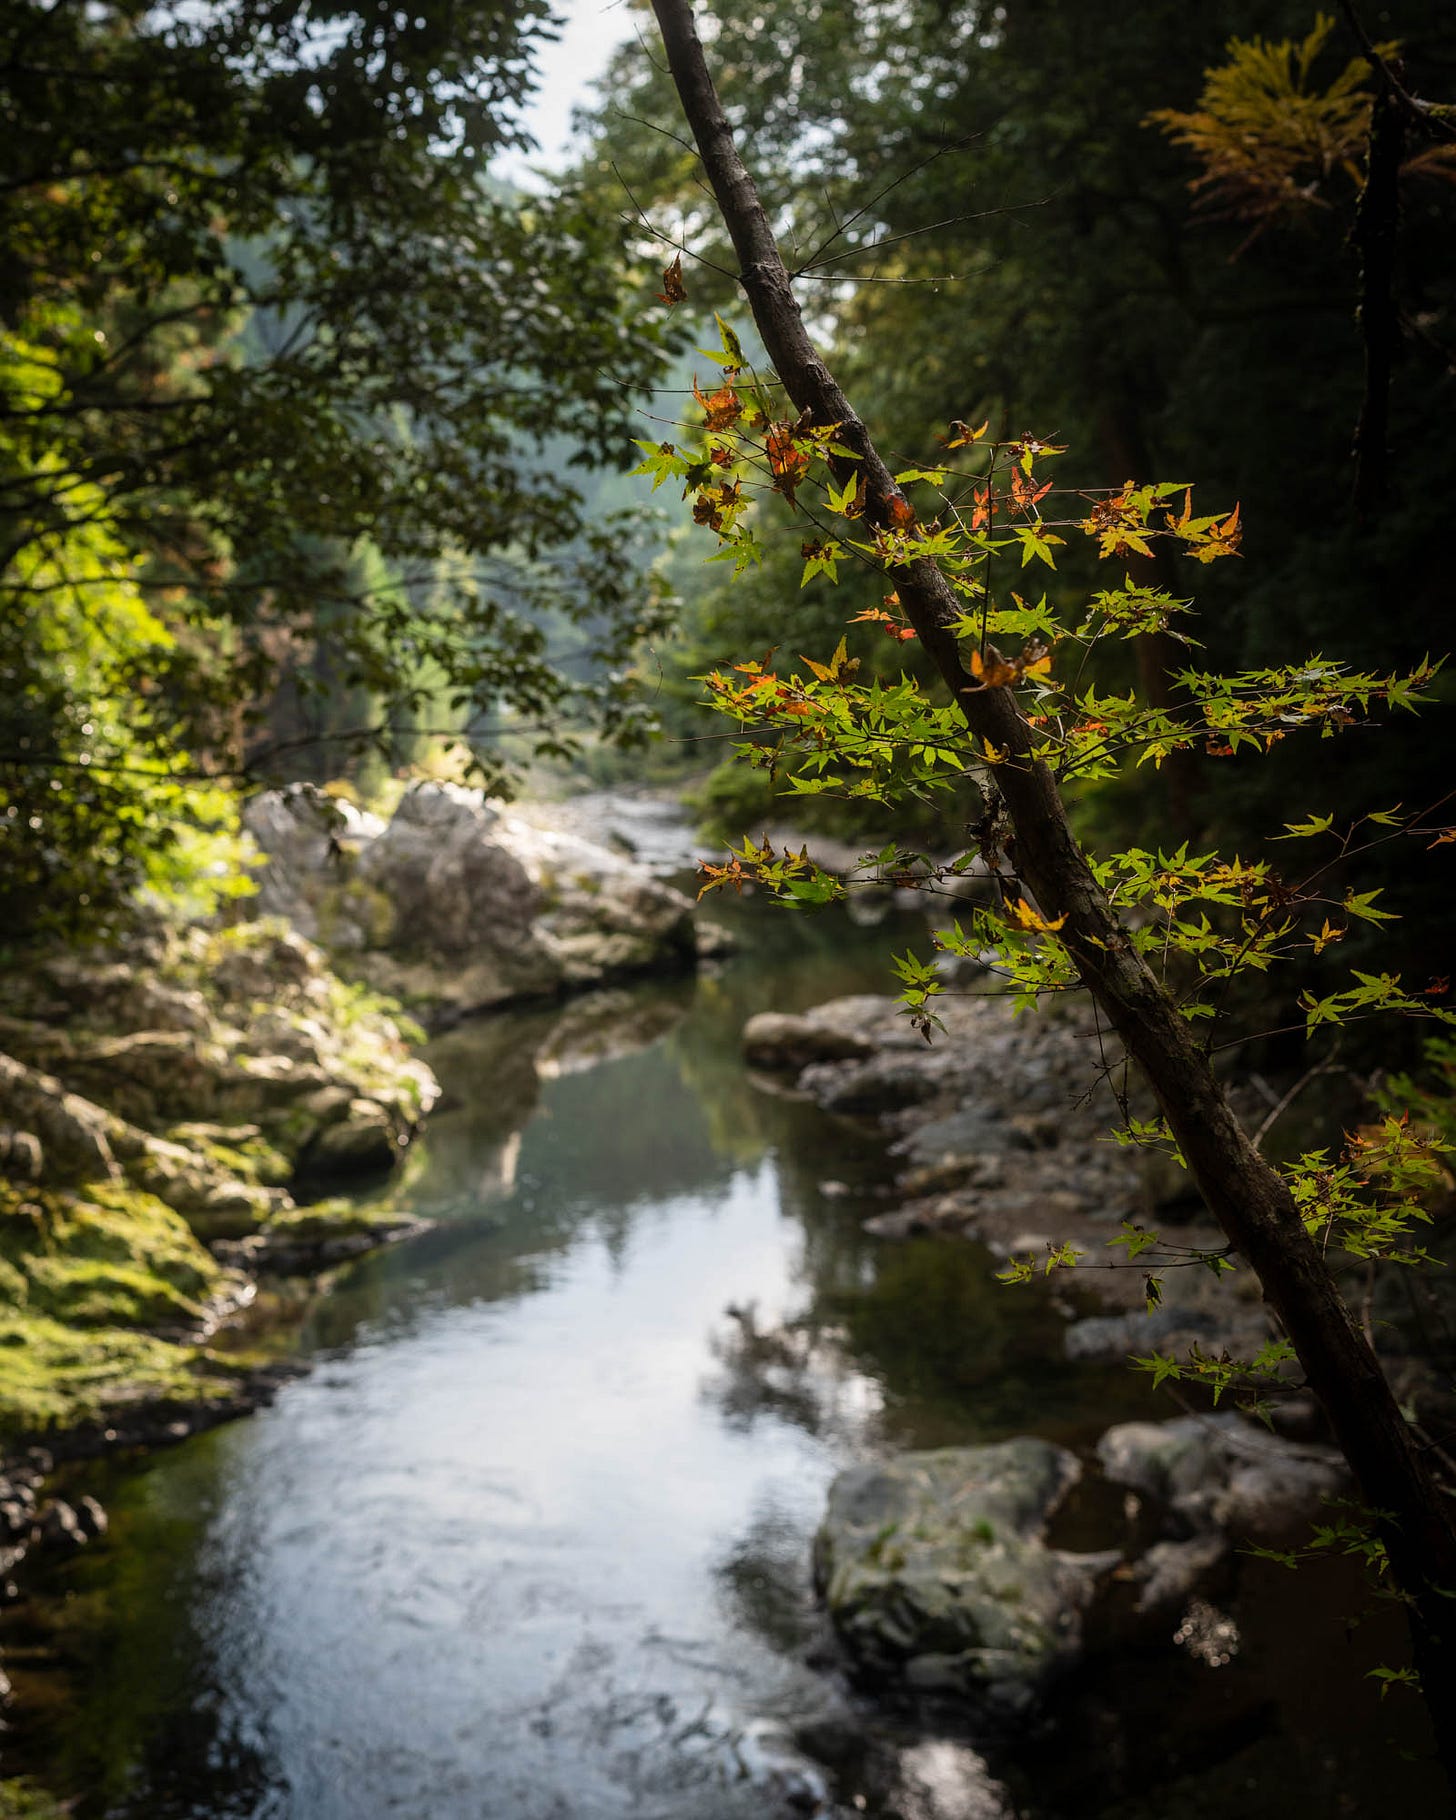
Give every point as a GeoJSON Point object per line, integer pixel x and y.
{"type": "Point", "coordinates": [787, 462]}
{"type": "Point", "coordinates": [722, 410]}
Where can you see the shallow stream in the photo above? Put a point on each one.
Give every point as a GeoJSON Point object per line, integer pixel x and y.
{"type": "Point", "coordinates": [530, 1540]}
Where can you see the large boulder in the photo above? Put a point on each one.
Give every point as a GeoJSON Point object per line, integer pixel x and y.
{"type": "Point", "coordinates": [602, 916]}
{"type": "Point", "coordinates": [455, 906]}
{"type": "Point", "coordinates": [307, 837]}
{"type": "Point", "coordinates": [451, 887]}
{"type": "Point", "coordinates": [935, 1569]}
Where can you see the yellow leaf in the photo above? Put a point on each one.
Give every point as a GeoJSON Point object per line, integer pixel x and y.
{"type": "Point", "coordinates": [1327, 935]}
{"type": "Point", "coordinates": [1025, 917]}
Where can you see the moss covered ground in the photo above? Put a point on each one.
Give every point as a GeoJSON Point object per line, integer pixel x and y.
{"type": "Point", "coordinates": [92, 1283]}
{"type": "Point", "coordinates": [20, 1799]}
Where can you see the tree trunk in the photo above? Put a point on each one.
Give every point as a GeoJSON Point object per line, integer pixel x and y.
{"type": "Point", "coordinates": [1376, 230]}
{"type": "Point", "coordinates": [1246, 1195]}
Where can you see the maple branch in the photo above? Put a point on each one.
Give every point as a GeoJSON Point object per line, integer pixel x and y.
{"type": "Point", "coordinates": [1250, 1200]}
{"type": "Point", "coordinates": [1419, 112]}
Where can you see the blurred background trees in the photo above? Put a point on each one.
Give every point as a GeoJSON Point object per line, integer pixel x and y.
{"type": "Point", "coordinates": [277, 359]}
{"type": "Point", "coordinates": [1128, 232]}
{"type": "Point", "coordinates": [303, 392]}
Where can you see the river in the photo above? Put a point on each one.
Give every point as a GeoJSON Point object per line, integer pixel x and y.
{"type": "Point", "coordinates": [529, 1540]}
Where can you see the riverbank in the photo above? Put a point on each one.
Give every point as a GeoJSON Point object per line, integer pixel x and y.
{"type": "Point", "coordinates": [1000, 1130]}
{"type": "Point", "coordinates": [532, 1534]}
{"type": "Point", "coordinates": [1012, 1580]}
{"type": "Point", "coordinates": [176, 1112]}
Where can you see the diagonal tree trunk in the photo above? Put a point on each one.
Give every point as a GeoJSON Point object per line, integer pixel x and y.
{"type": "Point", "coordinates": [1246, 1195]}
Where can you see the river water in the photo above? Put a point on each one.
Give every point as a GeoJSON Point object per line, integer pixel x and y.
{"type": "Point", "coordinates": [530, 1539]}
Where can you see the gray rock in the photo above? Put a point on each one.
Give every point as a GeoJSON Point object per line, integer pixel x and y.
{"type": "Point", "coordinates": [1219, 1473]}
{"type": "Point", "coordinates": [363, 1142]}
{"type": "Point", "coordinates": [458, 906]}
{"type": "Point", "coordinates": [1171, 1572]}
{"type": "Point", "coordinates": [778, 1040]}
{"type": "Point", "coordinates": [449, 887]}
{"type": "Point", "coordinates": [73, 1134]}
{"type": "Point", "coordinates": [954, 1142]}
{"type": "Point", "coordinates": [933, 1567]}
{"type": "Point", "coordinates": [885, 1083]}
{"type": "Point", "coordinates": [307, 837]}
{"type": "Point", "coordinates": [1119, 1336]}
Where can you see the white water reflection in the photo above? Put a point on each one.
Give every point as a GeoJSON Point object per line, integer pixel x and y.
{"type": "Point", "coordinates": [482, 1554]}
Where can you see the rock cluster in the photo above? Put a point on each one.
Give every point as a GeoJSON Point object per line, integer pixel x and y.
{"type": "Point", "coordinates": [935, 1567]}
{"type": "Point", "coordinates": [1001, 1125]}
{"type": "Point", "coordinates": [160, 1108]}
{"type": "Point", "coordinates": [938, 1577]}
{"type": "Point", "coordinates": [207, 1067]}
{"type": "Point", "coordinates": [31, 1520]}
{"type": "Point", "coordinates": [1213, 1481]}
{"type": "Point", "coordinates": [455, 905]}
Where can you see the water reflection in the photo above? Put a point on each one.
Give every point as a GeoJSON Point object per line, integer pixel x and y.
{"type": "Point", "coordinates": [531, 1540]}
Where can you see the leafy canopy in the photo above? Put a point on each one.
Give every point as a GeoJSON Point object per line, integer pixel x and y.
{"type": "Point", "coordinates": [263, 309]}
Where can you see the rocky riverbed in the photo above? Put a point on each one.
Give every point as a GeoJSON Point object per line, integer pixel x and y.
{"type": "Point", "coordinates": [1001, 1127]}
{"type": "Point", "coordinates": [615, 1385]}
{"type": "Point", "coordinates": [940, 1570]}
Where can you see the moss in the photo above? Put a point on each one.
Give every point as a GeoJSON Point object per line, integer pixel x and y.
{"type": "Point", "coordinates": [354, 1006]}
{"type": "Point", "coordinates": [249, 1158]}
{"type": "Point", "coordinates": [54, 1376]}
{"type": "Point", "coordinates": [82, 1273]}
{"type": "Point", "coordinates": [107, 1255]}
{"type": "Point", "coordinates": [20, 1799]}
{"type": "Point", "coordinates": [92, 1281]}
{"type": "Point", "coordinates": [357, 905]}
{"type": "Point", "coordinates": [332, 1218]}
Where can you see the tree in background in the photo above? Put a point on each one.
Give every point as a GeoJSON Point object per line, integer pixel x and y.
{"type": "Point", "coordinates": [987, 221]}
{"type": "Point", "coordinates": [262, 313]}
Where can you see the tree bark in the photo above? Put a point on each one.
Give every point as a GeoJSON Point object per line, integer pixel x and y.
{"type": "Point", "coordinates": [1375, 234]}
{"type": "Point", "coordinates": [1247, 1196]}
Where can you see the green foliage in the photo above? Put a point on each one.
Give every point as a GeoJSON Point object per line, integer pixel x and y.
{"type": "Point", "coordinates": [97, 800]}
{"type": "Point", "coordinates": [1202, 922]}
{"type": "Point", "coordinates": [21, 1799]}
{"type": "Point", "coordinates": [278, 365]}
{"type": "Point", "coordinates": [112, 1256]}
{"type": "Point", "coordinates": [1427, 1093]}
{"type": "Point", "coordinates": [1268, 135]}
{"type": "Point", "coordinates": [733, 796]}
{"type": "Point", "coordinates": [986, 227]}
{"type": "Point", "coordinates": [86, 1278]}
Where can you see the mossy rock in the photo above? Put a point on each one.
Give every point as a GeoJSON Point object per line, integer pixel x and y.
{"type": "Point", "coordinates": [105, 1255]}
{"type": "Point", "coordinates": [20, 1799]}
{"type": "Point", "coordinates": [54, 1375]}
{"type": "Point", "coordinates": [935, 1571]}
